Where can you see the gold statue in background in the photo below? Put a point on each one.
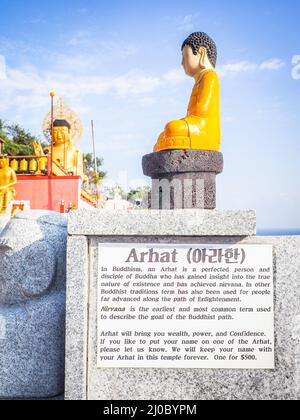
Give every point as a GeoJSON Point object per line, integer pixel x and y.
{"type": "Point", "coordinates": [67, 130]}
{"type": "Point", "coordinates": [201, 128]}
{"type": "Point", "coordinates": [65, 153]}
{"type": "Point", "coordinates": [8, 180]}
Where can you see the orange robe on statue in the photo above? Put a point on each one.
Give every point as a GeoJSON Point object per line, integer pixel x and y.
{"type": "Point", "coordinates": [201, 129]}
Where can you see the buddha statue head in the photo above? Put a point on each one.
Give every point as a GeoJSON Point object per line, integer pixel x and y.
{"type": "Point", "coordinates": [4, 163]}
{"type": "Point", "coordinates": [199, 53]}
{"type": "Point", "coordinates": [61, 132]}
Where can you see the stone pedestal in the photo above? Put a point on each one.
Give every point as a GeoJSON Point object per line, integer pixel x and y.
{"type": "Point", "coordinates": [183, 178]}
{"type": "Point", "coordinates": [84, 380]}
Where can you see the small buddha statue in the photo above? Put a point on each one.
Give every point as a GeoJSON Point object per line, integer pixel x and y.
{"type": "Point", "coordinates": [8, 180]}
{"type": "Point", "coordinates": [200, 129]}
{"type": "Point", "coordinates": [65, 153]}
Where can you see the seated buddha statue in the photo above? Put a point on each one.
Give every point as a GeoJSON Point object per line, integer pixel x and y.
{"type": "Point", "coordinates": [8, 180]}
{"type": "Point", "coordinates": [200, 129]}
{"type": "Point", "coordinates": [65, 153]}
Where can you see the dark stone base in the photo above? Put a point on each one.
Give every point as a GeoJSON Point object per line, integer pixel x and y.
{"type": "Point", "coordinates": [183, 178]}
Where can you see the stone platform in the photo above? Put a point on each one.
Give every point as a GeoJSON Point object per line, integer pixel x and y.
{"type": "Point", "coordinates": [190, 173]}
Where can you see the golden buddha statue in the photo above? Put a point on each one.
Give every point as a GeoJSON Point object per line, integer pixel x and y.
{"type": "Point", "coordinates": [66, 154]}
{"type": "Point", "coordinates": [201, 128]}
{"type": "Point", "coordinates": [8, 180]}
{"type": "Point", "coordinates": [67, 130]}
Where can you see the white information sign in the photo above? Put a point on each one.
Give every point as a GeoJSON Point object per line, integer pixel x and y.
{"type": "Point", "coordinates": [185, 306]}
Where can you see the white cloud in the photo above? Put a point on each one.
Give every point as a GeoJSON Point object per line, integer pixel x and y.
{"type": "Point", "coordinates": [77, 39]}
{"type": "Point", "coordinates": [296, 67]}
{"type": "Point", "coordinates": [236, 68]}
{"type": "Point", "coordinates": [272, 64]}
{"type": "Point", "coordinates": [232, 69]}
{"type": "Point", "coordinates": [86, 53]}
{"type": "Point", "coordinates": [175, 76]}
{"type": "Point", "coordinates": [30, 79]}
{"type": "Point", "coordinates": [186, 23]}
{"type": "Point", "coordinates": [27, 87]}
{"type": "Point", "coordinates": [134, 83]}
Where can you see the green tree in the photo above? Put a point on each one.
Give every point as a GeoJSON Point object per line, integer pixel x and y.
{"type": "Point", "coordinates": [3, 134]}
{"type": "Point", "coordinates": [95, 178]}
{"type": "Point", "coordinates": [112, 192]}
{"type": "Point", "coordinates": [18, 141]}
{"type": "Point", "coordinates": [139, 196]}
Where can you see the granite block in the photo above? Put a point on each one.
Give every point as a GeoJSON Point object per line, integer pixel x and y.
{"type": "Point", "coordinates": [182, 161]}
{"type": "Point", "coordinates": [162, 223]}
{"type": "Point", "coordinates": [77, 318]}
{"type": "Point", "coordinates": [183, 179]}
{"type": "Point", "coordinates": [32, 305]}
{"type": "Point", "coordinates": [282, 383]}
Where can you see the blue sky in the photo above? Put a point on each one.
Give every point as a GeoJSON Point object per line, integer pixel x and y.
{"type": "Point", "coordinates": [118, 63]}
